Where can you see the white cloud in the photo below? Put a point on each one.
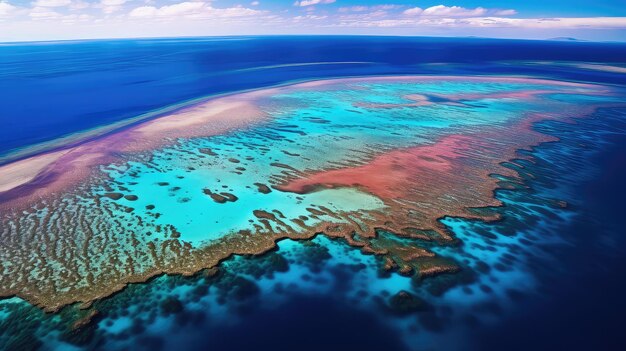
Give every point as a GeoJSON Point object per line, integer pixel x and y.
{"type": "Point", "coordinates": [353, 9]}
{"type": "Point", "coordinates": [456, 11]}
{"type": "Point", "coordinates": [6, 9]}
{"type": "Point", "coordinates": [51, 3]}
{"type": "Point", "coordinates": [424, 22]}
{"type": "Point", "coordinates": [413, 11]}
{"type": "Point", "coordinates": [304, 3]}
{"type": "Point", "coordinates": [113, 2]}
{"type": "Point", "coordinates": [369, 8]}
{"type": "Point", "coordinates": [75, 18]}
{"type": "Point", "coordinates": [386, 7]}
{"type": "Point", "coordinates": [50, 15]}
{"type": "Point", "coordinates": [190, 9]}
{"type": "Point", "coordinates": [144, 11]}
{"type": "Point", "coordinates": [255, 3]}
{"type": "Point", "coordinates": [111, 6]}
{"type": "Point", "coordinates": [183, 8]}
{"type": "Point", "coordinates": [309, 17]}
{"type": "Point", "coordinates": [505, 12]}
{"type": "Point", "coordinates": [548, 23]}
{"type": "Point", "coordinates": [453, 11]}
{"type": "Point", "coordinates": [237, 11]}
{"type": "Point", "coordinates": [43, 13]}
{"type": "Point", "coordinates": [79, 5]}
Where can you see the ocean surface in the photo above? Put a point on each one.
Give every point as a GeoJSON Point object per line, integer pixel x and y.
{"type": "Point", "coordinates": [543, 277]}
{"type": "Point", "coordinates": [55, 89]}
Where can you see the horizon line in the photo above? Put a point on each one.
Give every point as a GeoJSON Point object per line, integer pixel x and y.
{"type": "Point", "coordinates": [554, 39]}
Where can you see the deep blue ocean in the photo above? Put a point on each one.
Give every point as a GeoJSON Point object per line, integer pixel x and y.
{"type": "Point", "coordinates": [54, 89]}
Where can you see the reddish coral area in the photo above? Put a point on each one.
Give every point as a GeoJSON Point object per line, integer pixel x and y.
{"type": "Point", "coordinates": [387, 175]}
{"type": "Point", "coordinates": [423, 183]}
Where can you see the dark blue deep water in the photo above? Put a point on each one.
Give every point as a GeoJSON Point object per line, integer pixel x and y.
{"type": "Point", "coordinates": [582, 306]}
{"type": "Point", "coordinates": [49, 90]}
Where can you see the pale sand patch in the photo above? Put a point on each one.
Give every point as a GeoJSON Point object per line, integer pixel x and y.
{"type": "Point", "coordinates": [416, 97]}
{"type": "Point", "coordinates": [211, 115]}
{"type": "Point", "coordinates": [604, 68]}
{"type": "Point", "coordinates": [210, 118]}
{"type": "Point", "coordinates": [69, 166]}
{"type": "Point", "coordinates": [21, 172]}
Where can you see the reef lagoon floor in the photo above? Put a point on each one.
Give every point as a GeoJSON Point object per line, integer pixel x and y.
{"type": "Point", "coordinates": [416, 210]}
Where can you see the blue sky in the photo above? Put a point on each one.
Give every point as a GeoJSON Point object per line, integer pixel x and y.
{"type": "Point", "coordinates": [532, 19]}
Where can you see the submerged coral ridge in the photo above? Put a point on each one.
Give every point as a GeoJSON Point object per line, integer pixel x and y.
{"type": "Point", "coordinates": [346, 158]}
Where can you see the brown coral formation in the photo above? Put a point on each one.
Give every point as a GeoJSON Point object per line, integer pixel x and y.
{"type": "Point", "coordinates": [222, 197]}
{"type": "Point", "coordinates": [264, 189]}
{"type": "Point", "coordinates": [60, 251]}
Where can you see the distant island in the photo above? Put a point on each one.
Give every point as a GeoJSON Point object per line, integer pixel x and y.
{"type": "Point", "coordinates": [565, 39]}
